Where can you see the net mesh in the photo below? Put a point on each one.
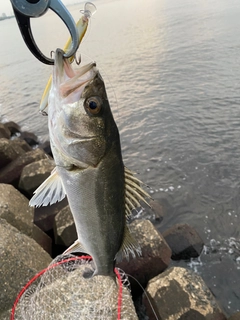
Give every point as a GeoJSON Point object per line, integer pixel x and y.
{"type": "Point", "coordinates": [61, 292]}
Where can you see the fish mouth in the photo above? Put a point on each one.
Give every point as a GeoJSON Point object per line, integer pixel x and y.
{"type": "Point", "coordinates": [67, 80]}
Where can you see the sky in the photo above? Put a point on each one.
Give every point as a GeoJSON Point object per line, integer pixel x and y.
{"type": "Point", "coordinates": [6, 7]}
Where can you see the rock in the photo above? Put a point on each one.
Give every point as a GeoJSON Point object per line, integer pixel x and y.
{"type": "Point", "coordinates": [184, 241]}
{"type": "Point", "coordinates": [9, 151]}
{"type": "Point", "coordinates": [157, 209]}
{"type": "Point", "coordinates": [13, 127]}
{"type": "Point", "coordinates": [235, 316]}
{"type": "Point", "coordinates": [11, 173]}
{"type": "Point", "coordinates": [30, 138]}
{"type": "Point", "coordinates": [15, 210]}
{"type": "Point", "coordinates": [71, 296]}
{"type": "Point", "coordinates": [64, 227]}
{"type": "Point", "coordinates": [5, 315]}
{"type": "Point", "coordinates": [45, 146]}
{"type": "Point", "coordinates": [180, 294]}
{"type": "Point", "coordinates": [34, 174]}
{"type": "Point", "coordinates": [42, 239]}
{"type": "Point", "coordinates": [155, 258]}
{"type": "Point", "coordinates": [44, 216]}
{"type": "Point", "coordinates": [16, 143]}
{"type": "Point", "coordinates": [4, 131]}
{"type": "Point", "coordinates": [21, 259]}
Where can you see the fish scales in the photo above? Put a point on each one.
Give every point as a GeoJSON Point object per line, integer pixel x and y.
{"type": "Point", "coordinates": [99, 229]}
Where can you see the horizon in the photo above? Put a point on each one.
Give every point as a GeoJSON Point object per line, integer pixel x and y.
{"type": "Point", "coordinates": [6, 6]}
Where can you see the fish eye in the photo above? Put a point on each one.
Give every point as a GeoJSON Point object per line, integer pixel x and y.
{"type": "Point", "coordinates": [93, 105]}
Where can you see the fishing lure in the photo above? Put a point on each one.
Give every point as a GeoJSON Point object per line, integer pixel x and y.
{"type": "Point", "coordinates": [81, 25]}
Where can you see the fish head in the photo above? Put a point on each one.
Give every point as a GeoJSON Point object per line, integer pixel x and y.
{"type": "Point", "coordinates": [81, 124]}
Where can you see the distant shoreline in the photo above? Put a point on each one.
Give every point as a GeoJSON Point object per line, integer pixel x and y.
{"type": "Point", "coordinates": [4, 18]}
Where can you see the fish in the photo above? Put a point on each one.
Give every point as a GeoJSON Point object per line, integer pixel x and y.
{"type": "Point", "coordinates": [89, 170]}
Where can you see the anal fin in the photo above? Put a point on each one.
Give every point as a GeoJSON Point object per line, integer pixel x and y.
{"type": "Point", "coordinates": [75, 247]}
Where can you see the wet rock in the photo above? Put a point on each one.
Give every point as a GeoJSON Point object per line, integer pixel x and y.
{"type": "Point", "coordinates": [45, 146]}
{"type": "Point", "coordinates": [34, 174]}
{"type": "Point", "coordinates": [11, 173]}
{"type": "Point", "coordinates": [30, 138]}
{"type": "Point", "coordinates": [15, 210]}
{"type": "Point", "coordinates": [180, 294]}
{"type": "Point", "coordinates": [64, 228]}
{"type": "Point", "coordinates": [71, 296]}
{"type": "Point", "coordinates": [21, 259]}
{"type": "Point", "coordinates": [9, 151]}
{"type": "Point", "coordinates": [44, 216]}
{"type": "Point", "coordinates": [157, 210]}
{"type": "Point", "coordinates": [4, 131]}
{"type": "Point", "coordinates": [13, 127]}
{"type": "Point", "coordinates": [155, 258]}
{"type": "Point", "coordinates": [184, 241]}
{"type": "Point", "coordinates": [235, 316]}
{"type": "Point", "coordinates": [5, 315]}
{"type": "Point", "coordinates": [42, 239]}
{"type": "Point", "coordinates": [19, 143]}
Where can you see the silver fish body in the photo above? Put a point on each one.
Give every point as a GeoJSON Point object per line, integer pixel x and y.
{"type": "Point", "coordinates": [86, 149]}
{"type": "Point", "coordinates": [89, 168]}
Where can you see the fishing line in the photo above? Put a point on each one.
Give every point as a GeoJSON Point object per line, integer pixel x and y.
{"type": "Point", "coordinates": [146, 295]}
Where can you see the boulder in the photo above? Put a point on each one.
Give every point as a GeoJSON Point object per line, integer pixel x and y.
{"type": "Point", "coordinates": [235, 316]}
{"type": "Point", "coordinates": [21, 259]}
{"type": "Point", "coordinates": [157, 210]}
{"type": "Point", "coordinates": [184, 241]}
{"type": "Point", "coordinates": [155, 258]}
{"type": "Point", "coordinates": [45, 146]}
{"type": "Point", "coordinates": [30, 138]}
{"type": "Point", "coordinates": [4, 131]}
{"type": "Point", "coordinates": [19, 143]}
{"type": "Point", "coordinates": [34, 174]}
{"type": "Point", "coordinates": [180, 294]}
{"type": "Point", "coordinates": [13, 127]}
{"type": "Point", "coordinates": [68, 295]}
{"type": "Point", "coordinates": [42, 239]}
{"type": "Point", "coordinates": [11, 173]}
{"type": "Point", "coordinates": [64, 228]}
{"type": "Point", "coordinates": [15, 210]}
{"type": "Point", "coordinates": [5, 315]}
{"type": "Point", "coordinates": [44, 216]}
{"type": "Point", "coordinates": [10, 150]}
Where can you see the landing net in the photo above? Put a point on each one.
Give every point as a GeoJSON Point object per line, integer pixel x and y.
{"type": "Point", "coordinates": [61, 292]}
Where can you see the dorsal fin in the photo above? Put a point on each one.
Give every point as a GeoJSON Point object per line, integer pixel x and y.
{"type": "Point", "coordinates": [49, 192]}
{"type": "Point", "coordinates": [133, 192]}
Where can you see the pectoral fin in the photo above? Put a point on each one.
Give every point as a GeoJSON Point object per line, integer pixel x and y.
{"type": "Point", "coordinates": [49, 192]}
{"type": "Point", "coordinates": [129, 245]}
